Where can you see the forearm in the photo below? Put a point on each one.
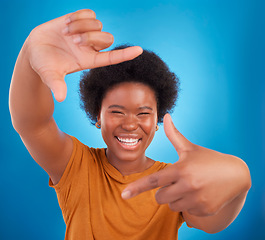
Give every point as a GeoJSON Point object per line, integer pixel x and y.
{"type": "Point", "coordinates": [30, 100]}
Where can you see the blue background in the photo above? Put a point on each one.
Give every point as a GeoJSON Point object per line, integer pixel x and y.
{"type": "Point", "coordinates": [216, 48]}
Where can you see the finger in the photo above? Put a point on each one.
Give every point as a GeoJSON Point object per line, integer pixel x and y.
{"type": "Point", "coordinates": [117, 56]}
{"type": "Point", "coordinates": [82, 25]}
{"type": "Point", "coordinates": [179, 142]}
{"type": "Point", "coordinates": [97, 39]}
{"type": "Point", "coordinates": [59, 90]}
{"type": "Point", "coordinates": [179, 205]}
{"type": "Point", "coordinates": [80, 14]}
{"type": "Point", "coordinates": [161, 178]}
{"type": "Point", "coordinates": [170, 193]}
{"type": "Point", "coordinates": [57, 85]}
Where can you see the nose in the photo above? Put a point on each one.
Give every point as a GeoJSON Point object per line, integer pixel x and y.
{"type": "Point", "coordinates": [129, 123]}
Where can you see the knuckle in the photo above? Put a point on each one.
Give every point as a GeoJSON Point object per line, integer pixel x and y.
{"type": "Point", "coordinates": [69, 29]}
{"type": "Point", "coordinates": [202, 202]}
{"type": "Point", "coordinates": [111, 57]}
{"type": "Point", "coordinates": [153, 181]}
{"type": "Point", "coordinates": [206, 208]}
{"type": "Point", "coordinates": [78, 39]}
{"type": "Point", "coordinates": [194, 185]}
{"type": "Point", "coordinates": [191, 184]}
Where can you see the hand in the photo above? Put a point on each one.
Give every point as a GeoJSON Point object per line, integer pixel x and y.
{"type": "Point", "coordinates": [201, 183]}
{"type": "Point", "coordinates": [69, 44]}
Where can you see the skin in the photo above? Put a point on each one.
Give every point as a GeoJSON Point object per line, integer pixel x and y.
{"type": "Point", "coordinates": [129, 110]}
{"type": "Point", "coordinates": [49, 53]}
{"type": "Point", "coordinates": [208, 187]}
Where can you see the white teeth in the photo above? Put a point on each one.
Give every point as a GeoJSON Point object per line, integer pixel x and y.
{"type": "Point", "coordinates": [128, 141]}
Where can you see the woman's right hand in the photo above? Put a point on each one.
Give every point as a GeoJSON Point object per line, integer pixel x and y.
{"type": "Point", "coordinates": [69, 44]}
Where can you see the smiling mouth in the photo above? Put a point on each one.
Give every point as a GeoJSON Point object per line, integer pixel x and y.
{"type": "Point", "coordinates": [128, 141]}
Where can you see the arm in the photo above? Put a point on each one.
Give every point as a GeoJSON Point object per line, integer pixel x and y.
{"type": "Point", "coordinates": [31, 107]}
{"type": "Point", "coordinates": [64, 45]}
{"type": "Point", "coordinates": [208, 187]}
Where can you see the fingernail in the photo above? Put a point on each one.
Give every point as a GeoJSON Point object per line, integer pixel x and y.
{"type": "Point", "coordinates": [126, 194]}
{"type": "Point", "coordinates": [77, 39]}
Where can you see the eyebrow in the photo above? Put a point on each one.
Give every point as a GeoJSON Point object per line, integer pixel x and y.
{"type": "Point", "coordinates": [122, 107]}
{"type": "Point", "coordinates": [146, 107]}
{"type": "Point", "coordinates": [116, 106]}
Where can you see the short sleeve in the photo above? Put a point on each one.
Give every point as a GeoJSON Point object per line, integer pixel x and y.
{"type": "Point", "coordinates": [70, 187]}
{"type": "Point", "coordinates": [68, 172]}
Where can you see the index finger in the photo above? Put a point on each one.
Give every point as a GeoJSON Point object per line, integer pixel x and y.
{"type": "Point", "coordinates": [161, 178]}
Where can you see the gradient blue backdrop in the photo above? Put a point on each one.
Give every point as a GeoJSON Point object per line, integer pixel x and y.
{"type": "Point", "coordinates": [217, 50]}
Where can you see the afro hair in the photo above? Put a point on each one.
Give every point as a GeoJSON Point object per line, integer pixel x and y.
{"type": "Point", "coordinates": [148, 68]}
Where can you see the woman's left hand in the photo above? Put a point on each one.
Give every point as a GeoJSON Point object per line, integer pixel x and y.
{"type": "Point", "coordinates": [201, 182]}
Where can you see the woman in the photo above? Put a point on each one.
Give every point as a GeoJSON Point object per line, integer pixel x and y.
{"type": "Point", "coordinates": [112, 193]}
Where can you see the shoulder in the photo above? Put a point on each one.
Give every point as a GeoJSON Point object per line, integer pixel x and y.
{"type": "Point", "coordinates": [82, 158]}
{"type": "Point", "coordinates": [78, 146]}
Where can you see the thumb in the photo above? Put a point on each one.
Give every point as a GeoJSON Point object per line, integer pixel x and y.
{"type": "Point", "coordinates": [116, 56]}
{"type": "Point", "coordinates": [56, 84]}
{"type": "Point", "coordinates": [179, 142]}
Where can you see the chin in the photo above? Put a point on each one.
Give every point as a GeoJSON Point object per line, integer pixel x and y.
{"type": "Point", "coordinates": [129, 156]}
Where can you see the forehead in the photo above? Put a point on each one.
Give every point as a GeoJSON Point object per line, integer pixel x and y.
{"type": "Point", "coordinates": [130, 93]}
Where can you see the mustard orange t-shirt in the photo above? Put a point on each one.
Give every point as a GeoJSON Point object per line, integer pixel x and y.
{"type": "Point", "coordinates": [89, 194]}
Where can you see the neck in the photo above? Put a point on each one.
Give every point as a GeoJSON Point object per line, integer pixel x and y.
{"type": "Point", "coordinates": [127, 167]}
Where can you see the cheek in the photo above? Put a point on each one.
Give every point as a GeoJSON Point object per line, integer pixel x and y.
{"type": "Point", "coordinates": [149, 126]}
{"type": "Point", "coordinates": [107, 128]}
{"type": "Point", "coordinates": [106, 135]}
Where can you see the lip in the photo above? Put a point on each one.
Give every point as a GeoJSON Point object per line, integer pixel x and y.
{"type": "Point", "coordinates": [128, 142]}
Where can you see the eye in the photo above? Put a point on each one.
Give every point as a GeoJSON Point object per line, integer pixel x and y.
{"type": "Point", "coordinates": [117, 112]}
{"type": "Point", "coordinates": [144, 113]}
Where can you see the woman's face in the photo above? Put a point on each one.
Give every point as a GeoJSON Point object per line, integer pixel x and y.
{"type": "Point", "coordinates": [128, 119]}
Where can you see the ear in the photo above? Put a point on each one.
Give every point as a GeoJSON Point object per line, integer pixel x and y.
{"type": "Point", "coordinates": [98, 117]}
{"type": "Point", "coordinates": [156, 126]}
